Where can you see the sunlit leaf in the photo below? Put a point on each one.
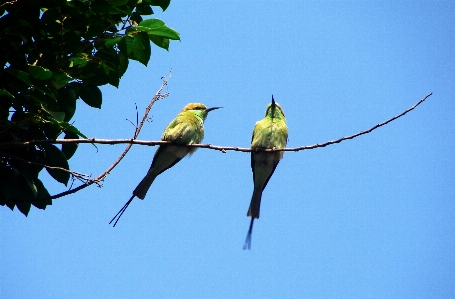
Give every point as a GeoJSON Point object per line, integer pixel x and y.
{"type": "Point", "coordinates": [159, 28]}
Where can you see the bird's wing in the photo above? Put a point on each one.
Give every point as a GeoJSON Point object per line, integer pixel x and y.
{"type": "Point", "coordinates": [252, 139]}
{"type": "Point", "coordinates": [271, 173]}
{"type": "Point", "coordinates": [165, 157]}
{"type": "Point", "coordinates": [171, 129]}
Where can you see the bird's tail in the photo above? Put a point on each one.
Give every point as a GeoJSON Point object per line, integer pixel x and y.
{"type": "Point", "coordinates": [144, 185]}
{"type": "Point", "coordinates": [255, 204]}
{"type": "Point", "coordinates": [122, 210]}
{"type": "Point", "coordinates": [247, 244]}
{"type": "Point", "coordinates": [253, 212]}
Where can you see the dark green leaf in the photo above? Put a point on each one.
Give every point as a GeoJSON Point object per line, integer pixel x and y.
{"type": "Point", "coordinates": [161, 42]}
{"type": "Point", "coordinates": [119, 2]}
{"type": "Point", "coordinates": [120, 10]}
{"type": "Point", "coordinates": [78, 22]}
{"type": "Point", "coordinates": [78, 62]}
{"type": "Point", "coordinates": [161, 3]}
{"type": "Point", "coordinates": [60, 116]}
{"type": "Point", "coordinates": [66, 127]}
{"type": "Point", "coordinates": [112, 74]}
{"type": "Point", "coordinates": [32, 187]}
{"type": "Point", "coordinates": [43, 90]}
{"type": "Point", "coordinates": [136, 17]}
{"type": "Point", "coordinates": [24, 207]}
{"type": "Point", "coordinates": [42, 193]}
{"type": "Point", "coordinates": [91, 95]}
{"type": "Point", "coordinates": [20, 188]}
{"type": "Point", "coordinates": [52, 127]}
{"type": "Point", "coordinates": [71, 41]}
{"type": "Point", "coordinates": [127, 44]}
{"type": "Point", "coordinates": [40, 73]}
{"type": "Point", "coordinates": [70, 11]}
{"type": "Point", "coordinates": [69, 149]}
{"type": "Point", "coordinates": [55, 158]}
{"type": "Point", "coordinates": [73, 129]}
{"type": "Point", "coordinates": [51, 16]}
{"type": "Point", "coordinates": [21, 119]}
{"type": "Point", "coordinates": [124, 61]}
{"type": "Point", "coordinates": [67, 101]}
{"type": "Point", "coordinates": [24, 77]}
{"type": "Point", "coordinates": [141, 48]}
{"type": "Point", "coordinates": [80, 6]}
{"type": "Point", "coordinates": [95, 26]}
{"type": "Point", "coordinates": [158, 27]}
{"type": "Point", "coordinates": [112, 41]}
{"type": "Point", "coordinates": [59, 79]}
{"type": "Point", "coordinates": [99, 6]}
{"type": "Point", "coordinates": [144, 9]}
{"type": "Point", "coordinates": [4, 93]}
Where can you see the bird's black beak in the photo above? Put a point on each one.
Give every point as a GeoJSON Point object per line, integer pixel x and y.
{"type": "Point", "coordinates": [213, 108]}
{"type": "Point", "coordinates": [273, 101]}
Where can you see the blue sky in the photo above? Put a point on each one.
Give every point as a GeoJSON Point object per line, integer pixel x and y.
{"type": "Point", "coordinates": [372, 217]}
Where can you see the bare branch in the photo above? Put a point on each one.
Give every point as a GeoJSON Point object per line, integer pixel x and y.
{"type": "Point", "coordinates": [6, 3]}
{"type": "Point", "coordinates": [223, 149]}
{"type": "Point", "coordinates": [209, 146]}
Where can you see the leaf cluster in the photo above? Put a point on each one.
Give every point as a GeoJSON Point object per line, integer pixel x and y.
{"type": "Point", "coordinates": [53, 53]}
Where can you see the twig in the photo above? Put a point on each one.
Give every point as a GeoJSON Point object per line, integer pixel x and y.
{"type": "Point", "coordinates": [77, 175]}
{"type": "Point", "coordinates": [209, 146]}
{"type": "Point", "coordinates": [6, 3]}
{"type": "Point", "coordinates": [223, 149]}
{"type": "Point", "coordinates": [101, 177]}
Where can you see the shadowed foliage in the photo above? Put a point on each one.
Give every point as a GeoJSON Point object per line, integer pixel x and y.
{"type": "Point", "coordinates": [54, 53]}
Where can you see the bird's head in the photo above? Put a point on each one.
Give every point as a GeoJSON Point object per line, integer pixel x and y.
{"type": "Point", "coordinates": [199, 109]}
{"type": "Point", "coordinates": [274, 110]}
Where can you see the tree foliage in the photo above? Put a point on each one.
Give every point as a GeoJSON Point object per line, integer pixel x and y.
{"type": "Point", "coordinates": [53, 53]}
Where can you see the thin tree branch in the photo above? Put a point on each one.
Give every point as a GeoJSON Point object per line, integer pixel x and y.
{"type": "Point", "coordinates": [223, 149]}
{"type": "Point", "coordinates": [76, 175]}
{"type": "Point", "coordinates": [158, 96]}
{"type": "Point", "coordinates": [209, 146]}
{"type": "Point", "coordinates": [6, 3]}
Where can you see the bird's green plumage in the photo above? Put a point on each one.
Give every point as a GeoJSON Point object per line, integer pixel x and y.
{"type": "Point", "coordinates": [270, 132]}
{"type": "Point", "coordinates": [186, 128]}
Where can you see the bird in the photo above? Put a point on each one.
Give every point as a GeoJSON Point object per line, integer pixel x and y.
{"type": "Point", "coordinates": [186, 128]}
{"type": "Point", "coordinates": [269, 133]}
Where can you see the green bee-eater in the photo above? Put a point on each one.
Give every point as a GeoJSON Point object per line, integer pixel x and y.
{"type": "Point", "coordinates": [270, 132]}
{"type": "Point", "coordinates": [186, 128]}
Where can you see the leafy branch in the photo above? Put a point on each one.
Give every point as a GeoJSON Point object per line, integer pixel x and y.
{"type": "Point", "coordinates": [158, 96]}
{"type": "Point", "coordinates": [53, 54]}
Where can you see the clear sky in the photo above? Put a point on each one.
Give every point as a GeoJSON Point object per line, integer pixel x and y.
{"type": "Point", "coordinates": [372, 217]}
